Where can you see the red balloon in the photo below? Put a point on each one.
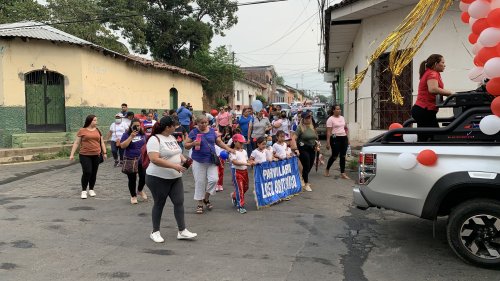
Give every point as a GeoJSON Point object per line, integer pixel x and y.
{"type": "Point", "coordinates": [468, 1]}
{"type": "Point", "coordinates": [493, 86]}
{"type": "Point", "coordinates": [487, 53]}
{"type": "Point", "coordinates": [214, 112]}
{"type": "Point", "coordinates": [473, 38]}
{"type": "Point", "coordinates": [427, 157]}
{"type": "Point", "coordinates": [477, 61]}
{"type": "Point", "coordinates": [480, 25]}
{"type": "Point", "coordinates": [395, 126]}
{"type": "Point", "coordinates": [494, 18]}
{"type": "Point", "coordinates": [465, 17]}
{"type": "Point", "coordinates": [495, 106]}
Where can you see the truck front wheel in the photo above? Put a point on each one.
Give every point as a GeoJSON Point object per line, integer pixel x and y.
{"type": "Point", "coordinates": [473, 232]}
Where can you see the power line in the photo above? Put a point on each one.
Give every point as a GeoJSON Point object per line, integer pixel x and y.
{"type": "Point", "coordinates": [282, 37]}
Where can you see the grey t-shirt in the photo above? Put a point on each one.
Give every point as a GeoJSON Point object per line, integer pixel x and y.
{"type": "Point", "coordinates": [259, 127]}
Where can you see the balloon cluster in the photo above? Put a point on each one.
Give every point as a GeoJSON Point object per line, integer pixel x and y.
{"type": "Point", "coordinates": [408, 160]}
{"type": "Point", "coordinates": [483, 16]}
{"type": "Point", "coordinates": [406, 137]}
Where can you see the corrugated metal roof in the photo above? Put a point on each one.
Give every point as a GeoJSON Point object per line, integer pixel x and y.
{"type": "Point", "coordinates": [36, 30]}
{"type": "Point", "coordinates": [30, 29]}
{"type": "Point", "coordinates": [344, 3]}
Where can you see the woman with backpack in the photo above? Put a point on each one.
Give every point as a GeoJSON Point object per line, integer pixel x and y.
{"type": "Point", "coordinates": [164, 176]}
{"type": "Point", "coordinates": [132, 142]}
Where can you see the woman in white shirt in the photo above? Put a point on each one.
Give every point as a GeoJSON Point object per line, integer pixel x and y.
{"type": "Point", "coordinates": [164, 177]}
{"type": "Point", "coordinates": [114, 136]}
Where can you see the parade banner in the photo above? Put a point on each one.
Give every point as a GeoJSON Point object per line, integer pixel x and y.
{"type": "Point", "coordinates": [276, 180]}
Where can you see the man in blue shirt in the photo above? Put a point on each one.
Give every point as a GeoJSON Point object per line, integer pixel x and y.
{"type": "Point", "coordinates": [184, 116]}
{"type": "Point", "coordinates": [245, 122]}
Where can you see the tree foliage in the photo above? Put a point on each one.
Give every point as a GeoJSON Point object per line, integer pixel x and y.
{"type": "Point", "coordinates": [26, 10]}
{"type": "Point", "coordinates": [217, 67]}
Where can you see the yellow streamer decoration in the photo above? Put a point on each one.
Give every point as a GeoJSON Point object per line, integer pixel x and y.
{"type": "Point", "coordinates": [401, 55]}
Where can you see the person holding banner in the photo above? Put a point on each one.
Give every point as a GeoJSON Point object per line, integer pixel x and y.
{"type": "Point", "coordinates": [259, 155]}
{"type": "Point", "coordinates": [305, 141]}
{"type": "Point", "coordinates": [239, 172]}
{"type": "Point", "coordinates": [203, 140]}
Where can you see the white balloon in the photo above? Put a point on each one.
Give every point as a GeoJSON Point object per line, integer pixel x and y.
{"type": "Point", "coordinates": [464, 7]}
{"type": "Point", "coordinates": [490, 125]}
{"type": "Point", "coordinates": [476, 48]}
{"type": "Point", "coordinates": [407, 160]}
{"type": "Point", "coordinates": [472, 21]}
{"type": "Point", "coordinates": [476, 74]}
{"type": "Point", "coordinates": [410, 137]}
{"type": "Point", "coordinates": [479, 9]}
{"type": "Point", "coordinates": [490, 37]}
{"type": "Point", "coordinates": [492, 68]}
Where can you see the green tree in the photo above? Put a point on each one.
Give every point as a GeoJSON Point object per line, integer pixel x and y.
{"type": "Point", "coordinates": [323, 99]}
{"type": "Point", "coordinates": [22, 10]}
{"type": "Point", "coordinates": [88, 29]}
{"type": "Point", "coordinates": [280, 80]}
{"type": "Point", "coordinates": [218, 68]}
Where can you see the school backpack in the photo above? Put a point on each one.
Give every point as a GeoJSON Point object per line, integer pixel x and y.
{"type": "Point", "coordinates": [144, 154]}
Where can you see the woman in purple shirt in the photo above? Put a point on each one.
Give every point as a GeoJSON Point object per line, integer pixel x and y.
{"type": "Point", "coordinates": [203, 139]}
{"type": "Point", "coordinates": [132, 141]}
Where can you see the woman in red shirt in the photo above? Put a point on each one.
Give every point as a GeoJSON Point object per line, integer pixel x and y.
{"type": "Point", "coordinates": [425, 110]}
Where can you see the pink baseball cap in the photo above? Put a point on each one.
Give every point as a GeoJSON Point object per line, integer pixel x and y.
{"type": "Point", "coordinates": [239, 138]}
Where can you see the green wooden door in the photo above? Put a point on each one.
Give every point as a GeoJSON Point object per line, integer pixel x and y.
{"type": "Point", "coordinates": [45, 109]}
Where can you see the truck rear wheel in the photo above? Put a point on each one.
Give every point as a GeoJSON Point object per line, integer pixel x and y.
{"type": "Point", "coordinates": [473, 232]}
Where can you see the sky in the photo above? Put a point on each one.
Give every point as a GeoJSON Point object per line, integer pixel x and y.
{"type": "Point", "coordinates": [283, 34]}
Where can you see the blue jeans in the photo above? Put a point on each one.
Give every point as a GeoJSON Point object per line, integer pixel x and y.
{"type": "Point", "coordinates": [186, 127]}
{"type": "Point", "coordinates": [115, 150]}
{"type": "Point", "coordinates": [249, 148]}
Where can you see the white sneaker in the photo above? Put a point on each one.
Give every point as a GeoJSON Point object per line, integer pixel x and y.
{"type": "Point", "coordinates": [92, 193]}
{"type": "Point", "coordinates": [186, 234]}
{"type": "Point", "coordinates": [308, 187]}
{"type": "Point", "coordinates": [155, 236]}
{"type": "Point", "coordinates": [84, 195]}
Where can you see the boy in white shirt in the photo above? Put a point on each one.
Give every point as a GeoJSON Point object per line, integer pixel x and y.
{"type": "Point", "coordinates": [239, 165]}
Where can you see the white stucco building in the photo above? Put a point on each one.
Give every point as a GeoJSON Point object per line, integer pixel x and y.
{"type": "Point", "coordinates": [245, 92]}
{"type": "Point", "coordinates": [355, 28]}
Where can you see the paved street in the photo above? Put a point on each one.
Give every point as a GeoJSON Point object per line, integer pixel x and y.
{"type": "Point", "coordinates": [49, 233]}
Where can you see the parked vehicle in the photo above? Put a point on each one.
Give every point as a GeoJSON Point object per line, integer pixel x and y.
{"type": "Point", "coordinates": [464, 184]}
{"type": "Point", "coordinates": [284, 107]}
{"type": "Point", "coordinates": [320, 116]}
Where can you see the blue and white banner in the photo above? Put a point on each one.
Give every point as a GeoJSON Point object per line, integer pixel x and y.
{"type": "Point", "coordinates": [276, 180]}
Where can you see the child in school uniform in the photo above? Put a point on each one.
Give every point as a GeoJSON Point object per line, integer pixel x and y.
{"type": "Point", "coordinates": [280, 146]}
{"type": "Point", "coordinates": [259, 154]}
{"type": "Point", "coordinates": [239, 165]}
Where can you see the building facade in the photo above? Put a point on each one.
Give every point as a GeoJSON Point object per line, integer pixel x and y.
{"type": "Point", "coordinates": [355, 29]}
{"type": "Point", "coordinates": [265, 75]}
{"type": "Point", "coordinates": [50, 81]}
{"type": "Point", "coordinates": [246, 91]}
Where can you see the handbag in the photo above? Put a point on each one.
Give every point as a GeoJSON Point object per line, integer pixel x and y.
{"type": "Point", "coordinates": [214, 158]}
{"type": "Point", "coordinates": [130, 165]}
{"type": "Point", "coordinates": [101, 156]}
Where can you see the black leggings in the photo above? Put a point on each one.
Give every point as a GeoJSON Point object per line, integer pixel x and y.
{"type": "Point", "coordinates": [161, 189]}
{"type": "Point", "coordinates": [424, 118]}
{"type": "Point", "coordinates": [90, 164]}
{"type": "Point", "coordinates": [132, 179]}
{"type": "Point", "coordinates": [306, 157]}
{"type": "Point", "coordinates": [339, 148]}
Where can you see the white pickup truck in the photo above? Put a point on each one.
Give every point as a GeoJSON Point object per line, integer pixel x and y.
{"type": "Point", "coordinates": [464, 184]}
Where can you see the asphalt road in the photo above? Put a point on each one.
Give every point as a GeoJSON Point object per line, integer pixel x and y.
{"type": "Point", "coordinates": [48, 233]}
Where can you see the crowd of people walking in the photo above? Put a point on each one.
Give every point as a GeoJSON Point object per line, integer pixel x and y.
{"type": "Point", "coordinates": [150, 150]}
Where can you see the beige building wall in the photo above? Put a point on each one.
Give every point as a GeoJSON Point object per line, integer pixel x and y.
{"type": "Point", "coordinates": [247, 93]}
{"type": "Point", "coordinates": [91, 78]}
